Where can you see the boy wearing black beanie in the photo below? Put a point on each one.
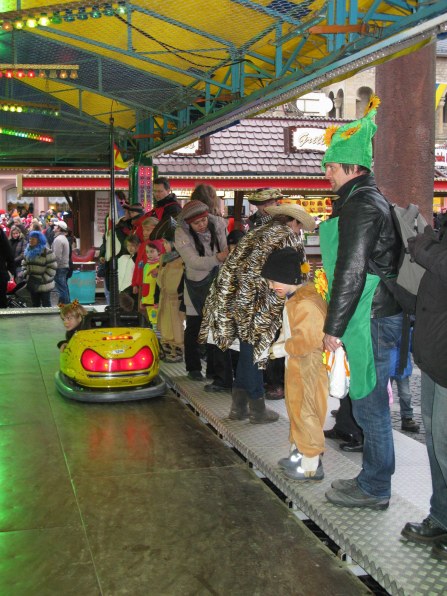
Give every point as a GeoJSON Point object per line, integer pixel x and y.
{"type": "Point", "coordinates": [306, 380]}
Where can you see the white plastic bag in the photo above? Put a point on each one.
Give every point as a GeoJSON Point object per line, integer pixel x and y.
{"type": "Point", "coordinates": [338, 371]}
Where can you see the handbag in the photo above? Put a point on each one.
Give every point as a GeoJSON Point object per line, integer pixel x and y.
{"type": "Point", "coordinates": [198, 290]}
{"type": "Point", "coordinates": [33, 283]}
{"type": "Point", "coordinates": [337, 367]}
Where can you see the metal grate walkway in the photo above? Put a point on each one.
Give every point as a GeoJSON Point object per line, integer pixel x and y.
{"type": "Point", "coordinates": [372, 539]}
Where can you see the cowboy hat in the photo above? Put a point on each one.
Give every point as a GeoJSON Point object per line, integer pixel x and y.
{"type": "Point", "coordinates": [295, 211]}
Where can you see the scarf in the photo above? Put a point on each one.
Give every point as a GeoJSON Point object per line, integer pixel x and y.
{"type": "Point", "coordinates": [32, 253]}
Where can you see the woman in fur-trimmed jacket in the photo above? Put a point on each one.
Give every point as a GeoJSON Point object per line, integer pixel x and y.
{"type": "Point", "coordinates": [241, 306]}
{"type": "Point", "coordinates": [40, 266]}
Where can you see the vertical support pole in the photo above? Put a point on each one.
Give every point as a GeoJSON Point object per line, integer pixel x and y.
{"type": "Point", "coordinates": [113, 274]}
{"type": "Point", "coordinates": [84, 205]}
{"type": "Point", "coordinates": [404, 147]}
{"type": "Point", "coordinates": [238, 200]}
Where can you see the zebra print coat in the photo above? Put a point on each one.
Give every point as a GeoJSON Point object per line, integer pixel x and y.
{"type": "Point", "coordinates": [240, 304]}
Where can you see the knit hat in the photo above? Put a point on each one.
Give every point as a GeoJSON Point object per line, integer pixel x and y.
{"type": "Point", "coordinates": [262, 195]}
{"type": "Point", "coordinates": [192, 211]}
{"type": "Point", "coordinates": [157, 244]}
{"type": "Point", "coordinates": [284, 265]}
{"type": "Point", "coordinates": [295, 211]}
{"type": "Point", "coordinates": [62, 225]}
{"type": "Point", "coordinates": [352, 142]}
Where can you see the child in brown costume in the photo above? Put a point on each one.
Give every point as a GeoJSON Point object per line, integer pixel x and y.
{"type": "Point", "coordinates": [306, 381]}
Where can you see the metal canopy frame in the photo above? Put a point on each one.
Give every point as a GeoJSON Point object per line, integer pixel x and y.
{"type": "Point", "coordinates": [173, 70]}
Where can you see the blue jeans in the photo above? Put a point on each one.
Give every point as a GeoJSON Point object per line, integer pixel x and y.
{"type": "Point", "coordinates": [434, 416]}
{"type": "Point", "coordinates": [404, 393]}
{"type": "Point", "coordinates": [372, 413]}
{"type": "Point", "coordinates": [248, 375]}
{"type": "Point", "coordinates": [61, 285]}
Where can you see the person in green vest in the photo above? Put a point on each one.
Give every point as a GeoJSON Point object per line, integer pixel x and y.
{"type": "Point", "coordinates": [362, 313]}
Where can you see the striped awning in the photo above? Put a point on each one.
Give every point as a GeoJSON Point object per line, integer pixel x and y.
{"type": "Point", "coordinates": [440, 92]}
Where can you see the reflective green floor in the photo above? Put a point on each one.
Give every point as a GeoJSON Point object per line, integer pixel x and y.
{"type": "Point", "coordinates": [138, 498]}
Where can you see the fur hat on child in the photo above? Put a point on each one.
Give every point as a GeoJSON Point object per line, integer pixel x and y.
{"type": "Point", "coordinates": [284, 265]}
{"type": "Point", "coordinates": [192, 211]}
{"type": "Point", "coordinates": [352, 142]}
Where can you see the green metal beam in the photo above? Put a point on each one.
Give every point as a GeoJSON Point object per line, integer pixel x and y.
{"type": "Point", "coordinates": [280, 91]}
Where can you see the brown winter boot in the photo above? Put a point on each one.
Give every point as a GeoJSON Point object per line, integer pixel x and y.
{"type": "Point", "coordinates": [259, 414]}
{"type": "Point", "coordinates": [239, 404]}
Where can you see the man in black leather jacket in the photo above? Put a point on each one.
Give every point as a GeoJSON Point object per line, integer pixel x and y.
{"type": "Point", "coordinates": [430, 352]}
{"type": "Point", "coordinates": [366, 232]}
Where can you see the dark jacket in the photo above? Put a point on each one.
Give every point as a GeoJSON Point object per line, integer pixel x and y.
{"type": "Point", "coordinates": [167, 207]}
{"type": "Point", "coordinates": [366, 231]}
{"type": "Point", "coordinates": [430, 336]}
{"type": "Point", "coordinates": [49, 233]}
{"type": "Point", "coordinates": [6, 255]}
{"type": "Point", "coordinates": [18, 248]}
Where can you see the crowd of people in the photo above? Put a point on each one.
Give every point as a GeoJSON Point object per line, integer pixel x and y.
{"type": "Point", "coordinates": [258, 302]}
{"type": "Point", "coordinates": [239, 300]}
{"type": "Point", "coordinates": [36, 254]}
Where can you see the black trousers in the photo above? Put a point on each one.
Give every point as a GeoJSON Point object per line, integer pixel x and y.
{"type": "Point", "coordinates": [344, 420]}
{"type": "Point", "coordinates": [274, 373]}
{"type": "Point", "coordinates": [192, 346]}
{"type": "Point", "coordinates": [218, 362]}
{"type": "Point", "coordinates": [4, 278]}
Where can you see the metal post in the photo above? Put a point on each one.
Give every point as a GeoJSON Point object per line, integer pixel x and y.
{"type": "Point", "coordinates": [113, 275]}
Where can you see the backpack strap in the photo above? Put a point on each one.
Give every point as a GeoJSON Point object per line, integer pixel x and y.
{"type": "Point", "coordinates": [406, 321]}
{"type": "Point", "coordinates": [388, 281]}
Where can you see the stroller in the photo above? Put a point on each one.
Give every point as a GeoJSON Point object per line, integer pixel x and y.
{"type": "Point", "coordinates": [17, 295]}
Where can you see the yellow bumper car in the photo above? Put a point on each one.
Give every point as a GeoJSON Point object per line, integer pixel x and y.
{"type": "Point", "coordinates": [110, 364]}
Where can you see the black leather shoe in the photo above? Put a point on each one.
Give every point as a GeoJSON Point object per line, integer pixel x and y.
{"type": "Point", "coordinates": [335, 434]}
{"type": "Point", "coordinates": [334, 413]}
{"type": "Point", "coordinates": [409, 425]}
{"type": "Point", "coordinates": [427, 532]}
{"type": "Point", "coordinates": [215, 388]}
{"type": "Point", "coordinates": [439, 550]}
{"type": "Point", "coordinates": [356, 498]}
{"type": "Point", "coordinates": [195, 375]}
{"type": "Point", "coordinates": [353, 446]}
